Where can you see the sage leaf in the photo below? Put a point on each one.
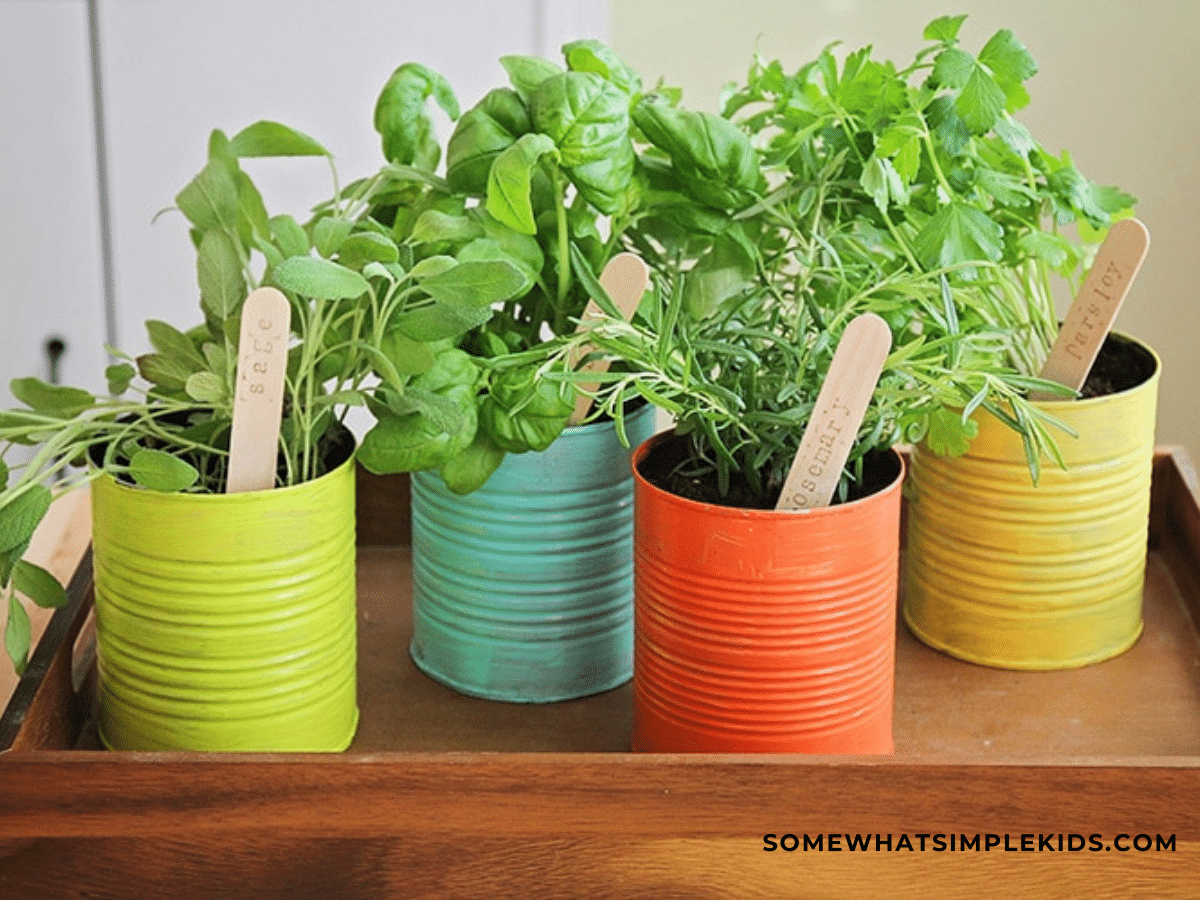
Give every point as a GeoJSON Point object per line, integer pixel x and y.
{"type": "Point", "coordinates": [119, 377]}
{"type": "Point", "coordinates": [38, 585]}
{"type": "Point", "coordinates": [17, 634]}
{"type": "Point", "coordinates": [219, 273]}
{"type": "Point", "coordinates": [329, 233]}
{"type": "Point", "coordinates": [158, 470]}
{"type": "Point", "coordinates": [53, 399]}
{"type": "Point", "coordinates": [407, 356]}
{"type": "Point", "coordinates": [358, 250]}
{"type": "Point", "coordinates": [166, 372]}
{"type": "Point", "coordinates": [433, 226]}
{"type": "Point", "coordinates": [475, 283]}
{"type": "Point", "coordinates": [488, 250]}
{"type": "Point", "coordinates": [319, 279]}
{"type": "Point", "coordinates": [441, 321]}
{"type": "Point", "coordinates": [252, 212]}
{"type": "Point", "coordinates": [210, 200]}
{"type": "Point", "coordinates": [267, 138]}
{"type": "Point", "coordinates": [169, 340]}
{"type": "Point", "coordinates": [207, 387]}
{"type": "Point", "coordinates": [291, 238]}
{"type": "Point", "coordinates": [19, 518]}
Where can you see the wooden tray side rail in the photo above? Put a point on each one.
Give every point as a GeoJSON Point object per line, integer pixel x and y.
{"type": "Point", "coordinates": [584, 824]}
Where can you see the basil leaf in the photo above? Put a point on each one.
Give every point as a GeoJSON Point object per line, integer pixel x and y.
{"type": "Point", "coordinates": [273, 139]}
{"type": "Point", "coordinates": [482, 134]}
{"type": "Point", "coordinates": [714, 159]}
{"type": "Point", "coordinates": [526, 73]}
{"type": "Point", "coordinates": [510, 181]}
{"type": "Point", "coordinates": [594, 56]}
{"type": "Point", "coordinates": [442, 426]}
{"type": "Point", "coordinates": [401, 119]}
{"type": "Point", "coordinates": [522, 412]}
{"type": "Point", "coordinates": [587, 117]}
{"type": "Point", "coordinates": [469, 470]}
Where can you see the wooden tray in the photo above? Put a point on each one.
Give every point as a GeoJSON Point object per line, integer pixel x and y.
{"type": "Point", "coordinates": [446, 796]}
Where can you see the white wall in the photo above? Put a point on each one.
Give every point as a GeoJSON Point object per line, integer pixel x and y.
{"type": "Point", "coordinates": [1116, 87]}
{"type": "Point", "coordinates": [170, 71]}
{"type": "Point", "coordinates": [49, 221]}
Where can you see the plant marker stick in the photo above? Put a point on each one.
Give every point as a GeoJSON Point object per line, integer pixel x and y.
{"type": "Point", "coordinates": [837, 414]}
{"type": "Point", "coordinates": [624, 279]}
{"type": "Point", "coordinates": [258, 401]}
{"type": "Point", "coordinates": [1092, 314]}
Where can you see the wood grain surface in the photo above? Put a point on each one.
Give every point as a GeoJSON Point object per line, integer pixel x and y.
{"type": "Point", "coordinates": [577, 825]}
{"type": "Point", "coordinates": [447, 796]}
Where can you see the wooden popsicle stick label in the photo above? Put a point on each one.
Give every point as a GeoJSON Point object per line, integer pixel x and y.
{"type": "Point", "coordinates": [258, 401]}
{"type": "Point", "coordinates": [1091, 316]}
{"type": "Point", "coordinates": [625, 280]}
{"type": "Point", "coordinates": [837, 414]}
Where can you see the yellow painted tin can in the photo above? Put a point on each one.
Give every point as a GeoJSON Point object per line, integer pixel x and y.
{"type": "Point", "coordinates": [227, 621]}
{"type": "Point", "coordinates": [1004, 573]}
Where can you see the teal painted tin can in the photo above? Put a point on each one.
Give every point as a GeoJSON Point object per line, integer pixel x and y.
{"type": "Point", "coordinates": [523, 589]}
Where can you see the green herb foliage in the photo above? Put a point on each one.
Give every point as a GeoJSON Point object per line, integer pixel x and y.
{"type": "Point", "coordinates": [371, 325]}
{"type": "Point", "coordinates": [552, 174]}
{"type": "Point", "coordinates": [857, 186]}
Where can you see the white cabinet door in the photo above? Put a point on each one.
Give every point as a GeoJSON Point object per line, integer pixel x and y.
{"type": "Point", "coordinates": [50, 271]}
{"type": "Point", "coordinates": [175, 69]}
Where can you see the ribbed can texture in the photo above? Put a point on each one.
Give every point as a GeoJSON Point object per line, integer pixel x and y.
{"type": "Point", "coordinates": [760, 631]}
{"type": "Point", "coordinates": [227, 622]}
{"type": "Point", "coordinates": [1007, 574]}
{"type": "Point", "coordinates": [522, 590]}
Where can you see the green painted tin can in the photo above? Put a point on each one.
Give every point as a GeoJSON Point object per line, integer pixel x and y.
{"type": "Point", "coordinates": [227, 621]}
{"type": "Point", "coordinates": [523, 590]}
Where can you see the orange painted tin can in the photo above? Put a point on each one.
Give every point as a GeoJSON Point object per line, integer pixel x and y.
{"type": "Point", "coordinates": [760, 631]}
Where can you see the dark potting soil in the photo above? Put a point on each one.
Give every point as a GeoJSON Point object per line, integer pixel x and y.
{"type": "Point", "coordinates": [334, 447]}
{"type": "Point", "coordinates": [1121, 364]}
{"type": "Point", "coordinates": [666, 466]}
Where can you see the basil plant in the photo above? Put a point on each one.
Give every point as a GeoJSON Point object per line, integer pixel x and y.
{"type": "Point", "coordinates": [553, 174]}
